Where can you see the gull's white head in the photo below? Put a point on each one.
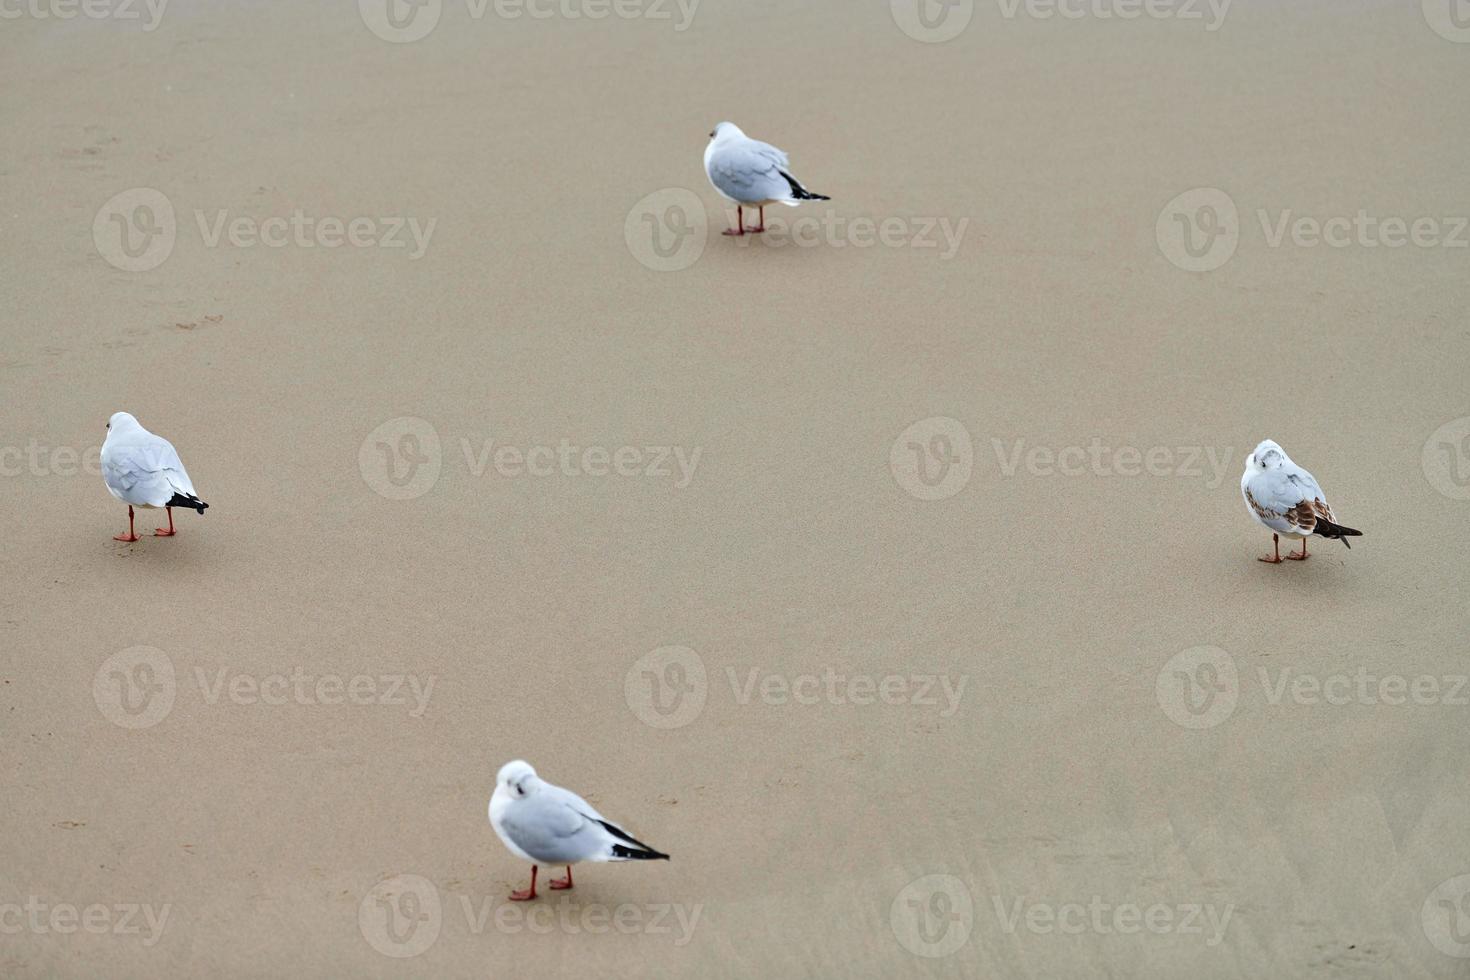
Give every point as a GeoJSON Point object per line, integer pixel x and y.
{"type": "Point", "coordinates": [725, 130]}
{"type": "Point", "coordinates": [121, 422]}
{"type": "Point", "coordinates": [517, 778]}
{"type": "Point", "coordinates": [1267, 456]}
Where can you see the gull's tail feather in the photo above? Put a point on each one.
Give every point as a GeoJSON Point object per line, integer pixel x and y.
{"type": "Point", "coordinates": [801, 193]}
{"type": "Point", "coordinates": [1327, 529]}
{"type": "Point", "coordinates": [633, 850]}
{"type": "Point", "coordinates": [187, 500]}
{"type": "Point", "coordinates": [621, 853]}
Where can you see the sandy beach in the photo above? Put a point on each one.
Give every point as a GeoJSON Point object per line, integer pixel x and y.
{"type": "Point", "coordinates": [889, 570]}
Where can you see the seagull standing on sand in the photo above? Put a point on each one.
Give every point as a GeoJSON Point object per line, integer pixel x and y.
{"type": "Point", "coordinates": [752, 174]}
{"type": "Point", "coordinates": [143, 470]}
{"type": "Point", "coordinates": [545, 824]}
{"type": "Point", "coordinates": [1287, 500]}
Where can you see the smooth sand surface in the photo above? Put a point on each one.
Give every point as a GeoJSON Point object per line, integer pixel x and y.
{"type": "Point", "coordinates": [1058, 799]}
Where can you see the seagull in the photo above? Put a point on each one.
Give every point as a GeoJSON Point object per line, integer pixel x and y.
{"type": "Point", "coordinates": [542, 823]}
{"type": "Point", "coordinates": [1287, 500]}
{"type": "Point", "coordinates": [143, 470]}
{"type": "Point", "coordinates": [752, 174]}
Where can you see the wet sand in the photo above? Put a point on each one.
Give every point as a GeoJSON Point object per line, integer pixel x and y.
{"type": "Point", "coordinates": [865, 567]}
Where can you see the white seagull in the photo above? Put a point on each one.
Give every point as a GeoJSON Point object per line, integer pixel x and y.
{"type": "Point", "coordinates": [143, 470]}
{"type": "Point", "coordinates": [1287, 500]}
{"type": "Point", "coordinates": [752, 174]}
{"type": "Point", "coordinates": [545, 824]}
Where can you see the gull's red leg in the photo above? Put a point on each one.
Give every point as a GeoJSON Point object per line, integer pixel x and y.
{"type": "Point", "coordinates": [739, 222]}
{"type": "Point", "coordinates": [130, 536]}
{"type": "Point", "coordinates": [1276, 541]}
{"type": "Point", "coordinates": [160, 532]}
{"type": "Point", "coordinates": [1300, 557]}
{"type": "Point", "coordinates": [562, 884]}
{"type": "Point", "coordinates": [762, 225]}
{"type": "Point", "coordinates": [529, 893]}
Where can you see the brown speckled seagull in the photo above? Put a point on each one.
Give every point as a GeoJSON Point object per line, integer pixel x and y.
{"type": "Point", "coordinates": [1287, 500]}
